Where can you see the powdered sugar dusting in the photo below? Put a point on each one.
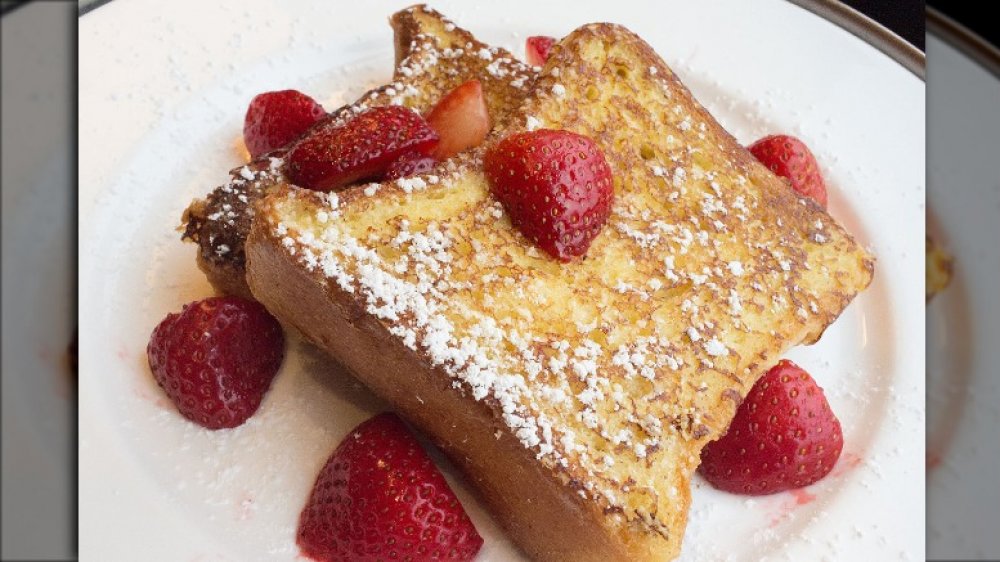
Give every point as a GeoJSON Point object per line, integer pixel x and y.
{"type": "Point", "coordinates": [620, 356]}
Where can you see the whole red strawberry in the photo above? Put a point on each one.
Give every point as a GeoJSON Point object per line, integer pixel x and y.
{"type": "Point", "coordinates": [275, 119]}
{"type": "Point", "coordinates": [555, 185]}
{"type": "Point", "coordinates": [784, 436]}
{"type": "Point", "coordinates": [537, 48]}
{"type": "Point", "coordinates": [379, 497]}
{"type": "Point", "coordinates": [361, 148]}
{"type": "Point", "coordinates": [790, 158]}
{"type": "Point", "coordinates": [216, 359]}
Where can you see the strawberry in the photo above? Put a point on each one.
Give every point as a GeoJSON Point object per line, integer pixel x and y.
{"type": "Point", "coordinates": [379, 497]}
{"type": "Point", "coordinates": [216, 359]}
{"type": "Point", "coordinates": [361, 148]}
{"type": "Point", "coordinates": [537, 48]}
{"type": "Point", "coordinates": [555, 185]}
{"type": "Point", "coordinates": [461, 118]}
{"type": "Point", "coordinates": [275, 119]}
{"type": "Point", "coordinates": [783, 436]}
{"type": "Point", "coordinates": [790, 158]}
{"type": "Point", "coordinates": [409, 164]}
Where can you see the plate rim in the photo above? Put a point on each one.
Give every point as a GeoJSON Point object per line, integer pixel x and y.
{"type": "Point", "coordinates": [842, 15]}
{"type": "Point", "coordinates": [967, 42]}
{"type": "Point", "coordinates": [870, 31]}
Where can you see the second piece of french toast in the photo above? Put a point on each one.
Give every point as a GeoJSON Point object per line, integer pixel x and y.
{"type": "Point", "coordinates": [433, 56]}
{"type": "Point", "coordinates": [576, 397]}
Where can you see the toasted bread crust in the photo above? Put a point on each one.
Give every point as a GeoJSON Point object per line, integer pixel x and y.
{"type": "Point", "coordinates": [226, 278]}
{"type": "Point", "coordinates": [534, 507]}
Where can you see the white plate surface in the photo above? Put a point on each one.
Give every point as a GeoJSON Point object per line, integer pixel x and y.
{"type": "Point", "coordinates": [162, 97]}
{"type": "Point", "coordinates": [963, 402]}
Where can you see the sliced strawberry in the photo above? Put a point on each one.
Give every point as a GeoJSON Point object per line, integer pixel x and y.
{"type": "Point", "coordinates": [361, 148]}
{"type": "Point", "coordinates": [555, 185]}
{"type": "Point", "coordinates": [379, 497]}
{"type": "Point", "coordinates": [537, 48]}
{"type": "Point", "coordinates": [275, 119]}
{"type": "Point", "coordinates": [791, 159]}
{"type": "Point", "coordinates": [410, 164]}
{"type": "Point", "coordinates": [216, 359]}
{"type": "Point", "coordinates": [783, 436]}
{"type": "Point", "coordinates": [461, 118]}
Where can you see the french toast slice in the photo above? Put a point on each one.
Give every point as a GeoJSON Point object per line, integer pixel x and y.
{"type": "Point", "coordinates": [576, 397]}
{"type": "Point", "coordinates": [432, 57]}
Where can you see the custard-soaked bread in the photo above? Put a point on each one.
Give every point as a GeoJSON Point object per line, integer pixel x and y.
{"type": "Point", "coordinates": [432, 57]}
{"type": "Point", "coordinates": [575, 396]}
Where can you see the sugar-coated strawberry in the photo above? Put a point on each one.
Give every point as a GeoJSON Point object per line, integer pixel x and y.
{"type": "Point", "coordinates": [410, 164]}
{"type": "Point", "coordinates": [783, 436]}
{"type": "Point", "coordinates": [555, 185]}
{"type": "Point", "coordinates": [216, 359]}
{"type": "Point", "coordinates": [362, 148]}
{"type": "Point", "coordinates": [275, 119]}
{"type": "Point", "coordinates": [379, 497]}
{"type": "Point", "coordinates": [461, 119]}
{"type": "Point", "coordinates": [537, 48]}
{"type": "Point", "coordinates": [791, 159]}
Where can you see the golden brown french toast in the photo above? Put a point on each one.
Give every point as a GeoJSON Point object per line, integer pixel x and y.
{"type": "Point", "coordinates": [432, 57]}
{"type": "Point", "coordinates": [576, 396]}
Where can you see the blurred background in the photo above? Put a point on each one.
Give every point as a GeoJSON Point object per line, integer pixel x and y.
{"type": "Point", "coordinates": [39, 279]}
{"type": "Point", "coordinates": [905, 19]}
{"type": "Point", "coordinates": [963, 313]}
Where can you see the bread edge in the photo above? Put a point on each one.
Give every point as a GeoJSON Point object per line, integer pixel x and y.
{"type": "Point", "coordinates": [545, 517]}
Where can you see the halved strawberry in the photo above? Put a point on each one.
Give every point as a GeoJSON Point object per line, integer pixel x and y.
{"type": "Point", "coordinates": [783, 436]}
{"type": "Point", "coordinates": [537, 49]}
{"type": "Point", "coordinates": [379, 497]}
{"type": "Point", "coordinates": [410, 164]}
{"type": "Point", "coordinates": [361, 148]}
{"type": "Point", "coordinates": [791, 159]}
{"type": "Point", "coordinates": [555, 185]}
{"type": "Point", "coordinates": [275, 119]}
{"type": "Point", "coordinates": [461, 119]}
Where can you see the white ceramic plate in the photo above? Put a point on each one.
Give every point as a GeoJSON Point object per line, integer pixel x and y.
{"type": "Point", "coordinates": [162, 99]}
{"type": "Point", "coordinates": [963, 402]}
{"type": "Point", "coordinates": [38, 272]}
